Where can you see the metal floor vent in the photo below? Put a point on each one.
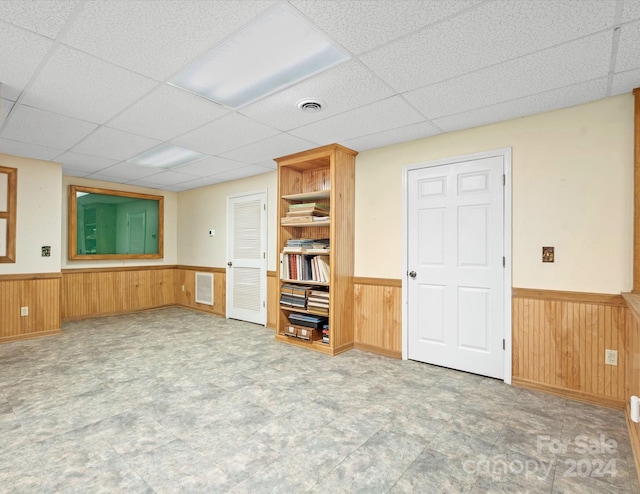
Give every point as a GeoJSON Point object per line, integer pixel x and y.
{"type": "Point", "coordinates": [204, 288]}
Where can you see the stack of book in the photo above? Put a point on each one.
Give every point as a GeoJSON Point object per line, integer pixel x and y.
{"type": "Point", "coordinates": [307, 212]}
{"type": "Point", "coordinates": [325, 334]}
{"type": "Point", "coordinates": [293, 296]}
{"type": "Point", "coordinates": [308, 320]}
{"type": "Point", "coordinates": [318, 302]}
{"type": "Point", "coordinates": [307, 246]}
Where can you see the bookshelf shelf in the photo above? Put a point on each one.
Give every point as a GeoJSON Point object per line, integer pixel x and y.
{"type": "Point", "coordinates": [311, 183]}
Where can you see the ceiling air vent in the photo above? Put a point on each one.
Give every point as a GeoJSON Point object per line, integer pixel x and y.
{"type": "Point", "coordinates": [309, 105]}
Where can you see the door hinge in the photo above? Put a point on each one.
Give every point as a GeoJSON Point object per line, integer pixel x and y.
{"type": "Point", "coordinates": [504, 180]}
{"type": "Point", "coordinates": [503, 344]}
{"type": "Point", "coordinates": [264, 255]}
{"type": "Point", "coordinates": [264, 207]}
{"type": "Point", "coordinates": [264, 304]}
{"type": "Point", "coordinates": [504, 261]}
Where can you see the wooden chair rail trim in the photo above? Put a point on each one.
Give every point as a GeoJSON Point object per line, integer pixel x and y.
{"type": "Point", "coordinates": [393, 282]}
{"type": "Point", "coordinates": [576, 297]}
{"type": "Point", "coordinates": [30, 276]}
{"type": "Point", "coordinates": [204, 269]}
{"type": "Point", "coordinates": [118, 269]}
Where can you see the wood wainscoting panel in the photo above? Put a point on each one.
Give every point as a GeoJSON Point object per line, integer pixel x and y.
{"type": "Point", "coordinates": [186, 277]}
{"type": "Point", "coordinates": [272, 299]}
{"type": "Point", "coordinates": [633, 370]}
{"type": "Point", "coordinates": [41, 294]}
{"type": "Point", "coordinates": [105, 291]}
{"type": "Point", "coordinates": [377, 315]}
{"type": "Point", "coordinates": [559, 342]}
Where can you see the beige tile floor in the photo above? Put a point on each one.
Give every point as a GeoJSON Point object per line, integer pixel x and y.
{"type": "Point", "coordinates": [174, 401]}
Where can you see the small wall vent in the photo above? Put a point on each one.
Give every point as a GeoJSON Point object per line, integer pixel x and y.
{"type": "Point", "coordinates": [204, 288]}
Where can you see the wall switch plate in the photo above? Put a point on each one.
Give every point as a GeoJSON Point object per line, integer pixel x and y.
{"type": "Point", "coordinates": [24, 311]}
{"type": "Point", "coordinates": [548, 254]}
{"type": "Point", "coordinates": [46, 251]}
{"type": "Point", "coordinates": [611, 357]}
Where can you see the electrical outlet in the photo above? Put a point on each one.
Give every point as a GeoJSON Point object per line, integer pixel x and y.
{"type": "Point", "coordinates": [24, 311]}
{"type": "Point", "coordinates": [611, 357]}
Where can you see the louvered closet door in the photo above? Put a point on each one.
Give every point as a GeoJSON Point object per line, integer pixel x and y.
{"type": "Point", "coordinates": [246, 254]}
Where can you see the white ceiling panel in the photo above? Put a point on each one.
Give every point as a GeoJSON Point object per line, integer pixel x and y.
{"type": "Point", "coordinates": [164, 178]}
{"type": "Point", "coordinates": [157, 38]}
{"type": "Point", "coordinates": [269, 148]}
{"type": "Point", "coordinates": [166, 113]}
{"type": "Point", "coordinates": [625, 82]}
{"type": "Point", "coordinates": [630, 10]}
{"type": "Point", "coordinates": [227, 133]}
{"type": "Point", "coordinates": [486, 35]}
{"type": "Point", "coordinates": [80, 86]}
{"type": "Point", "coordinates": [83, 162]}
{"type": "Point", "coordinates": [210, 166]}
{"type": "Point", "coordinates": [363, 25]}
{"type": "Point", "coordinates": [550, 100]}
{"type": "Point", "coordinates": [114, 144]}
{"type": "Point", "coordinates": [560, 66]}
{"type": "Point", "coordinates": [124, 172]}
{"type": "Point", "coordinates": [75, 173]}
{"type": "Point", "coordinates": [20, 55]}
{"type": "Point", "coordinates": [342, 88]}
{"type": "Point", "coordinates": [394, 136]}
{"type": "Point", "coordinates": [377, 117]}
{"type": "Point", "coordinates": [43, 128]}
{"type": "Point", "coordinates": [200, 182]}
{"type": "Point", "coordinates": [629, 47]}
{"type": "Point", "coordinates": [244, 172]}
{"type": "Point", "coordinates": [28, 150]}
{"type": "Point", "coordinates": [45, 17]}
{"type": "Point", "coordinates": [5, 108]}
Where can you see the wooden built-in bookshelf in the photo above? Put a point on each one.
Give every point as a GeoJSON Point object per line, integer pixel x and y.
{"type": "Point", "coordinates": [323, 176]}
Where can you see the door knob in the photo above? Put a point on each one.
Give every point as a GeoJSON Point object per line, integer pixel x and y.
{"type": "Point", "coordinates": [229, 263]}
{"type": "Point", "coordinates": [413, 274]}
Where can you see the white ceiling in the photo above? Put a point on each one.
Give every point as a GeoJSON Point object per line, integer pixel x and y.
{"type": "Point", "coordinates": [84, 82]}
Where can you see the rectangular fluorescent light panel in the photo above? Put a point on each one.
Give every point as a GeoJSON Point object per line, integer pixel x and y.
{"type": "Point", "coordinates": [167, 156]}
{"type": "Point", "coordinates": [274, 52]}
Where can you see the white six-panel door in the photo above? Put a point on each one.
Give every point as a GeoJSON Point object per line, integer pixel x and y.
{"type": "Point", "coordinates": [455, 283]}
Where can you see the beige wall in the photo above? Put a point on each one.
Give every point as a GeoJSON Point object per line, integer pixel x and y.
{"type": "Point", "coordinates": [37, 217]}
{"type": "Point", "coordinates": [170, 225]}
{"type": "Point", "coordinates": [204, 209]}
{"type": "Point", "coordinates": [572, 189]}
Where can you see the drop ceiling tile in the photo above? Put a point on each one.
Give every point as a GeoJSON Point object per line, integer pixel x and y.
{"type": "Point", "coordinates": [227, 133]}
{"type": "Point", "coordinates": [244, 172]}
{"type": "Point", "coordinates": [377, 117]}
{"type": "Point", "coordinates": [157, 38]}
{"type": "Point", "coordinates": [75, 173]}
{"type": "Point", "coordinates": [84, 162]}
{"type": "Point", "coordinates": [20, 56]}
{"type": "Point", "coordinates": [569, 63]}
{"type": "Point", "coordinates": [270, 165]}
{"type": "Point", "coordinates": [164, 178]}
{"type": "Point", "coordinates": [342, 88]}
{"type": "Point", "coordinates": [394, 136]}
{"type": "Point", "coordinates": [270, 148]}
{"type": "Point", "coordinates": [45, 17]}
{"type": "Point", "coordinates": [490, 34]}
{"type": "Point", "coordinates": [538, 103]}
{"type": "Point", "coordinates": [43, 128]}
{"type": "Point", "coordinates": [200, 182]}
{"type": "Point", "coordinates": [75, 84]}
{"type": "Point", "coordinates": [26, 150]}
{"type": "Point", "coordinates": [5, 108]}
{"type": "Point", "coordinates": [360, 26]}
{"type": "Point", "coordinates": [625, 82]}
{"type": "Point", "coordinates": [114, 144]}
{"type": "Point", "coordinates": [630, 10]}
{"type": "Point", "coordinates": [166, 113]}
{"type": "Point", "coordinates": [210, 166]}
{"type": "Point", "coordinates": [628, 48]}
{"type": "Point", "coordinates": [124, 172]}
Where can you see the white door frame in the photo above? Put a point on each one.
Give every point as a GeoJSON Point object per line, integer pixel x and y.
{"type": "Point", "coordinates": [505, 153]}
{"type": "Point", "coordinates": [263, 247]}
